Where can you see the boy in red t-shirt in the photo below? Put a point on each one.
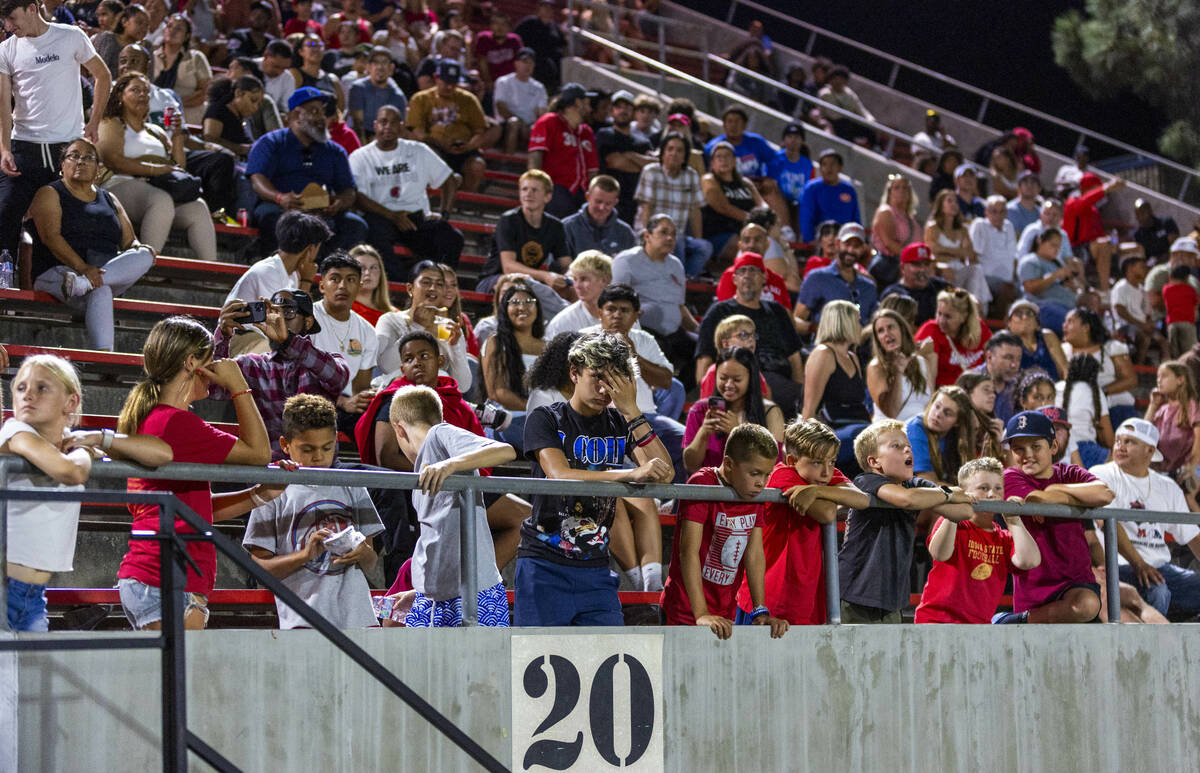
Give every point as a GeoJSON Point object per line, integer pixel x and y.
{"type": "Point", "coordinates": [795, 575]}
{"type": "Point", "coordinates": [1062, 589]}
{"type": "Point", "coordinates": [1180, 300]}
{"type": "Point", "coordinates": [972, 559]}
{"type": "Point", "coordinates": [717, 543]}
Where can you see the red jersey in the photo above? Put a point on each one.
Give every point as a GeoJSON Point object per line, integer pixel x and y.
{"type": "Point", "coordinates": [967, 587]}
{"type": "Point", "coordinates": [795, 577]}
{"type": "Point", "coordinates": [774, 290]}
{"type": "Point", "coordinates": [953, 357]}
{"type": "Point", "coordinates": [192, 440]}
{"type": "Point", "coordinates": [727, 527]}
{"type": "Point", "coordinates": [1181, 301]}
{"type": "Point", "coordinates": [499, 54]}
{"type": "Point", "coordinates": [569, 153]}
{"type": "Point", "coordinates": [1081, 219]}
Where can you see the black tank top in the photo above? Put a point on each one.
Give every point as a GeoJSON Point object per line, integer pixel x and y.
{"type": "Point", "coordinates": [844, 400]}
{"type": "Point", "coordinates": [91, 228]}
{"type": "Point", "coordinates": [713, 222]}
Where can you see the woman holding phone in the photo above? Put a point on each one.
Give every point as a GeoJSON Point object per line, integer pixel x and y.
{"type": "Point", "coordinates": [734, 402]}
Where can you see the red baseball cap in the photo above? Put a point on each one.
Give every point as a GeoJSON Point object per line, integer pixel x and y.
{"type": "Point", "coordinates": [916, 252]}
{"type": "Point", "coordinates": [1089, 181]}
{"type": "Point", "coordinates": [751, 259]}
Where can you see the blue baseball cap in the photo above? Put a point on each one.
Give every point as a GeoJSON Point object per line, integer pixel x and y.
{"type": "Point", "coordinates": [1029, 424]}
{"type": "Point", "coordinates": [306, 94]}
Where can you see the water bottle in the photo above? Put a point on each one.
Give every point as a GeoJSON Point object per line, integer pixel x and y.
{"type": "Point", "coordinates": [6, 270]}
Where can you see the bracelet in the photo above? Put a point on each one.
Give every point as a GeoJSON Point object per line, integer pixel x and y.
{"type": "Point", "coordinates": [639, 421]}
{"type": "Point", "coordinates": [759, 611]}
{"type": "Point", "coordinates": [107, 436]}
{"type": "Point", "coordinates": [255, 498]}
{"type": "Point", "coordinates": [246, 391]}
{"type": "Point", "coordinates": [647, 439]}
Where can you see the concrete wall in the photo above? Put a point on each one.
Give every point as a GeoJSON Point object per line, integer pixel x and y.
{"type": "Point", "coordinates": [1017, 698]}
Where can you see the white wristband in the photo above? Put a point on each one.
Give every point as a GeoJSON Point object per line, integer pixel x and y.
{"type": "Point", "coordinates": [107, 436]}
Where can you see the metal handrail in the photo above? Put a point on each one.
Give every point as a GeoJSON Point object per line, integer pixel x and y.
{"type": "Point", "coordinates": [177, 739]}
{"type": "Point", "coordinates": [987, 96]}
{"type": "Point", "coordinates": [656, 18]}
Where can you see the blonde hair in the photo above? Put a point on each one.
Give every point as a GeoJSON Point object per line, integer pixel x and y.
{"type": "Point", "coordinates": [455, 307]}
{"type": "Point", "coordinates": [748, 440]}
{"type": "Point", "coordinates": [1185, 394]}
{"type": "Point", "coordinates": [729, 326]}
{"type": "Point", "coordinates": [60, 370]}
{"type": "Point", "coordinates": [975, 466]}
{"type": "Point", "coordinates": [540, 176]}
{"type": "Point", "coordinates": [381, 299]}
{"type": "Point", "coordinates": [170, 342]}
{"type": "Point", "coordinates": [417, 405]}
{"type": "Point", "coordinates": [811, 438]}
{"type": "Point", "coordinates": [892, 181]}
{"type": "Point", "coordinates": [908, 347]}
{"type": "Point", "coordinates": [839, 324]}
{"type": "Point", "coordinates": [971, 331]}
{"type": "Point", "coordinates": [592, 260]}
{"type": "Point", "coordinates": [867, 442]}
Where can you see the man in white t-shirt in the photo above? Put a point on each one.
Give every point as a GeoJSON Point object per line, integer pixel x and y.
{"type": "Point", "coordinates": [995, 240]}
{"type": "Point", "coordinates": [294, 264]}
{"type": "Point", "coordinates": [278, 81]}
{"type": "Point", "coordinates": [1145, 558]}
{"type": "Point", "coordinates": [391, 175]}
{"type": "Point", "coordinates": [39, 72]}
{"type": "Point", "coordinates": [590, 273]}
{"type": "Point", "coordinates": [346, 333]}
{"type": "Point", "coordinates": [1132, 310]}
{"type": "Point", "coordinates": [520, 100]}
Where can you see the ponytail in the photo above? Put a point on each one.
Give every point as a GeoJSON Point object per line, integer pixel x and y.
{"type": "Point", "coordinates": [170, 342]}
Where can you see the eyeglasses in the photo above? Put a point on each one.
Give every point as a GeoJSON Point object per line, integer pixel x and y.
{"type": "Point", "coordinates": [522, 301]}
{"type": "Point", "coordinates": [78, 159]}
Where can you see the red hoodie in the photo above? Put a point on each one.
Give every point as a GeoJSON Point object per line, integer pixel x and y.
{"type": "Point", "coordinates": [455, 411]}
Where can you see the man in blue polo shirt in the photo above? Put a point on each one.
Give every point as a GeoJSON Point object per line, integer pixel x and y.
{"type": "Point", "coordinates": [827, 198]}
{"type": "Point", "coordinates": [841, 281]}
{"type": "Point", "coordinates": [754, 157]}
{"type": "Point", "coordinates": [284, 161]}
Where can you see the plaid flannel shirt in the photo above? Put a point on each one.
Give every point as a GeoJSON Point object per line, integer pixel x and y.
{"type": "Point", "coordinates": [674, 196]}
{"type": "Point", "coordinates": [297, 367]}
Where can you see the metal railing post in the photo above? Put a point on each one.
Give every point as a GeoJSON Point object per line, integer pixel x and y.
{"type": "Point", "coordinates": [812, 42]}
{"type": "Point", "coordinates": [467, 574]}
{"type": "Point", "coordinates": [833, 591]}
{"type": "Point", "coordinates": [1187, 179]}
{"type": "Point", "coordinates": [662, 55]}
{"type": "Point", "coordinates": [983, 106]}
{"type": "Point", "coordinates": [732, 10]}
{"type": "Point", "coordinates": [891, 82]}
{"type": "Point", "coordinates": [4, 545]}
{"type": "Point", "coordinates": [571, 28]}
{"type": "Point", "coordinates": [705, 50]}
{"type": "Point", "coordinates": [1112, 576]}
{"type": "Point", "coordinates": [172, 580]}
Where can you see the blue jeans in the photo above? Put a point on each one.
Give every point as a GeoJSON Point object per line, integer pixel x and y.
{"type": "Point", "coordinates": [1051, 315]}
{"type": "Point", "coordinates": [550, 594]}
{"type": "Point", "coordinates": [1119, 413]}
{"type": "Point", "coordinates": [513, 434]}
{"type": "Point", "coordinates": [670, 432]}
{"type": "Point", "coordinates": [847, 462]}
{"type": "Point", "coordinates": [1179, 593]}
{"type": "Point", "coordinates": [1092, 453]}
{"type": "Point", "coordinates": [693, 252]}
{"type": "Point", "coordinates": [26, 606]}
{"type": "Point", "coordinates": [670, 401]}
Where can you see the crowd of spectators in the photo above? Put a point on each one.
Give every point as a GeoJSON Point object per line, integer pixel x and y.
{"type": "Point", "coordinates": [843, 361]}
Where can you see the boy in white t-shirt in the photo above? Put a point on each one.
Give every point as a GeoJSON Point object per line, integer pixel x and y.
{"type": "Point", "coordinates": [1131, 309]}
{"type": "Point", "coordinates": [39, 70]}
{"type": "Point", "coordinates": [439, 450]}
{"type": "Point", "coordinates": [286, 536]}
{"type": "Point", "coordinates": [520, 99]}
{"type": "Point", "coordinates": [590, 272]}
{"type": "Point", "coordinates": [346, 333]}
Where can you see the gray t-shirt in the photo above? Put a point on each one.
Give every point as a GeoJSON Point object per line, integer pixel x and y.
{"type": "Point", "coordinates": [337, 591]}
{"type": "Point", "coordinates": [874, 560]}
{"type": "Point", "coordinates": [660, 284]}
{"type": "Point", "coordinates": [436, 558]}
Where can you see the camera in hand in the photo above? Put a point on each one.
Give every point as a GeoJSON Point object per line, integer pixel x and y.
{"type": "Point", "coordinates": [716, 403]}
{"type": "Point", "coordinates": [256, 311]}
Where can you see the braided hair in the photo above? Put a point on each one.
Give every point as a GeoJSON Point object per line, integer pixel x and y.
{"type": "Point", "coordinates": [1083, 368]}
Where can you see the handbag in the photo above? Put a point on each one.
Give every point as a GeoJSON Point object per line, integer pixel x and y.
{"type": "Point", "coordinates": [182, 186]}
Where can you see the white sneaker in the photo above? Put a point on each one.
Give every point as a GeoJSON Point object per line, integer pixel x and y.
{"type": "Point", "coordinates": [491, 414]}
{"type": "Point", "coordinates": [74, 285]}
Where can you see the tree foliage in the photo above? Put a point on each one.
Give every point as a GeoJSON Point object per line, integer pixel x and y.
{"type": "Point", "coordinates": [1150, 48]}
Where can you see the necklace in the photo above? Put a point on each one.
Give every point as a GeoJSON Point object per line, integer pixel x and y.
{"type": "Point", "coordinates": [340, 339]}
{"type": "Point", "coordinates": [1131, 481]}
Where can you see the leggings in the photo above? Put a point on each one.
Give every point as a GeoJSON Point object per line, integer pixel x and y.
{"type": "Point", "coordinates": [120, 273]}
{"type": "Point", "coordinates": [154, 212]}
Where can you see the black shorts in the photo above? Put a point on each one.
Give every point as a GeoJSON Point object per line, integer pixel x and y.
{"type": "Point", "coordinates": [1094, 587]}
{"type": "Point", "coordinates": [456, 160]}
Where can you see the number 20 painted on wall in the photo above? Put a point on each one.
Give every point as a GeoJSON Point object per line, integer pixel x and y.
{"type": "Point", "coordinates": [557, 754]}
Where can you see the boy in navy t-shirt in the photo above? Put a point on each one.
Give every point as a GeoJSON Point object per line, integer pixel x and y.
{"type": "Point", "coordinates": [562, 573]}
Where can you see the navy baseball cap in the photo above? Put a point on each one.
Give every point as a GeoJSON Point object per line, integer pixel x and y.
{"type": "Point", "coordinates": [449, 70]}
{"type": "Point", "coordinates": [306, 94]}
{"type": "Point", "coordinates": [1029, 424]}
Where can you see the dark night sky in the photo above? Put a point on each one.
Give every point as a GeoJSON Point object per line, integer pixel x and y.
{"type": "Point", "coordinates": [1001, 47]}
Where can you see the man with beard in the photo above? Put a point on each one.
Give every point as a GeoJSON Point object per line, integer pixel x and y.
{"type": "Point", "coordinates": [283, 162]}
{"type": "Point", "coordinates": [451, 120]}
{"type": "Point", "coordinates": [840, 281]}
{"type": "Point", "coordinates": [393, 175]}
{"type": "Point", "coordinates": [623, 153]}
{"type": "Point", "coordinates": [917, 281]}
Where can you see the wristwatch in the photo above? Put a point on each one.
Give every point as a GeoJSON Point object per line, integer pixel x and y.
{"type": "Point", "coordinates": [949, 492]}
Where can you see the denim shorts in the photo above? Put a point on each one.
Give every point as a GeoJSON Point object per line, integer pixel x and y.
{"type": "Point", "coordinates": [26, 606]}
{"type": "Point", "coordinates": [142, 603]}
